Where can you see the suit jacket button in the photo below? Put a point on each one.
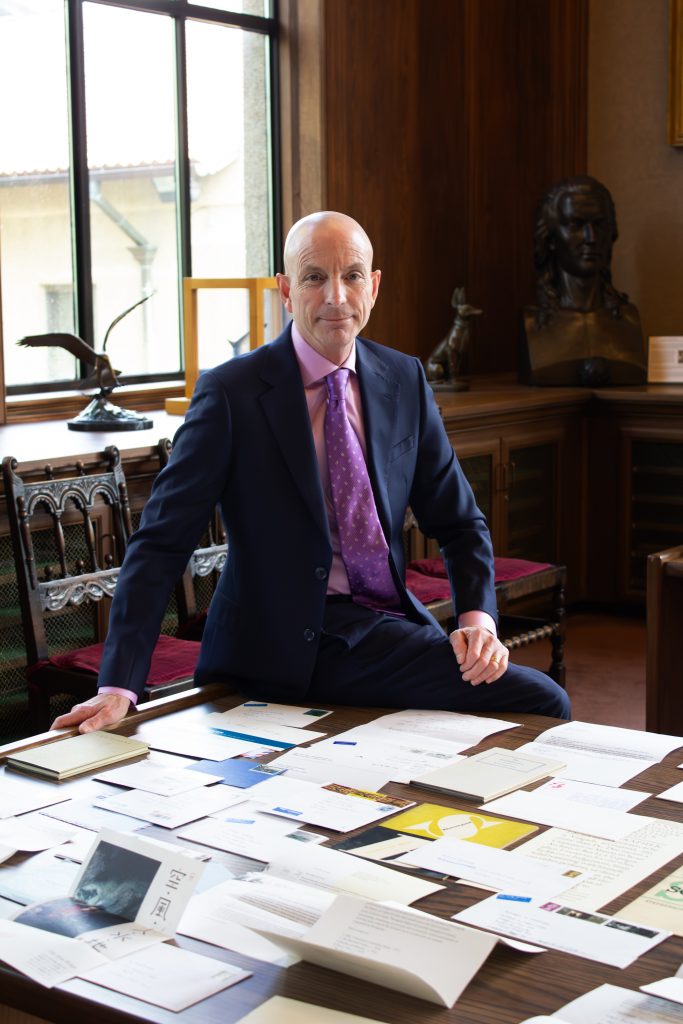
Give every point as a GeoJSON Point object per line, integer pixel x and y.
{"type": "Point", "coordinates": [321, 573]}
{"type": "Point", "coordinates": [309, 635]}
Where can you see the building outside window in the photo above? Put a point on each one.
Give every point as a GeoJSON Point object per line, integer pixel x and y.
{"type": "Point", "coordinates": [136, 149]}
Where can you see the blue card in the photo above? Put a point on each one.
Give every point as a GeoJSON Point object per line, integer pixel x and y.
{"type": "Point", "coordinates": [238, 771]}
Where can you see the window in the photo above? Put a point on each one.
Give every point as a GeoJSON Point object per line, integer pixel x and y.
{"type": "Point", "coordinates": [137, 149]}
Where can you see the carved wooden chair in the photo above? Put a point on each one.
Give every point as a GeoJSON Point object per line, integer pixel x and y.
{"type": "Point", "coordinates": [69, 536]}
{"type": "Point", "coordinates": [195, 589]}
{"type": "Point", "coordinates": [518, 582]}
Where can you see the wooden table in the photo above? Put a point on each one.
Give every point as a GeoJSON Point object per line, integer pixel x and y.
{"type": "Point", "coordinates": [509, 987]}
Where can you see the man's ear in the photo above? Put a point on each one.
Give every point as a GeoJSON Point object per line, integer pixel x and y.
{"type": "Point", "coordinates": [284, 288]}
{"type": "Point", "coordinates": [375, 277]}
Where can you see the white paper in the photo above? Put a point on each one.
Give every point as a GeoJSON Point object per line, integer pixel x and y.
{"type": "Point", "coordinates": [33, 836]}
{"type": "Point", "coordinates": [588, 737]}
{"type": "Point", "coordinates": [573, 817]}
{"type": "Point", "coordinates": [666, 988]}
{"type": "Point", "coordinates": [171, 811]}
{"type": "Point", "coordinates": [195, 742]}
{"type": "Point", "coordinates": [261, 712]}
{"type": "Point", "coordinates": [44, 957]}
{"type": "Point", "coordinates": [310, 764]}
{"type": "Point", "coordinates": [397, 947]}
{"type": "Point", "coordinates": [495, 869]}
{"type": "Point", "coordinates": [282, 1010]}
{"type": "Point", "coordinates": [324, 806]}
{"type": "Point", "coordinates": [247, 833]}
{"type": "Point", "coordinates": [606, 940]}
{"type": "Point", "coordinates": [675, 793]}
{"type": "Point", "coordinates": [210, 917]}
{"type": "Point", "coordinates": [593, 795]}
{"type": "Point", "coordinates": [338, 872]}
{"type": "Point", "coordinates": [157, 778]}
{"type": "Point", "coordinates": [610, 1004]}
{"type": "Point", "coordinates": [18, 796]}
{"type": "Point", "coordinates": [398, 756]}
{"type": "Point", "coordinates": [595, 766]}
{"type": "Point", "coordinates": [612, 866]}
{"type": "Point", "coordinates": [167, 976]}
{"type": "Point", "coordinates": [463, 730]}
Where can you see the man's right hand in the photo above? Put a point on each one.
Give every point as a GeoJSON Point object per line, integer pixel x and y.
{"type": "Point", "coordinates": [100, 711]}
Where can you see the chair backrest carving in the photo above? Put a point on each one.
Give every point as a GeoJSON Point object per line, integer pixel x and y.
{"type": "Point", "coordinates": [59, 525]}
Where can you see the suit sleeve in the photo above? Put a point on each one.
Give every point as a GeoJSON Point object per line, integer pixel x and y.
{"type": "Point", "coordinates": [180, 505]}
{"type": "Point", "coordinates": [445, 508]}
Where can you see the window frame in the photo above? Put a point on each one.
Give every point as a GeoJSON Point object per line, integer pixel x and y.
{"type": "Point", "coordinates": [181, 12]}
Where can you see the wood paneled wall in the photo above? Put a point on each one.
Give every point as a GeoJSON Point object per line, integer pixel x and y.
{"type": "Point", "coordinates": [444, 121]}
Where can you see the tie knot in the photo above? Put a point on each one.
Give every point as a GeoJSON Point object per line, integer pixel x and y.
{"type": "Point", "coordinates": [336, 384]}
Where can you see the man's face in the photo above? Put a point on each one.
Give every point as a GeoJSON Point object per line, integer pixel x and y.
{"type": "Point", "coordinates": [330, 287]}
{"type": "Point", "coordinates": [582, 239]}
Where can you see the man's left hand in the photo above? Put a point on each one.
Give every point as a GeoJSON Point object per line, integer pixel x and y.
{"type": "Point", "coordinates": [481, 657]}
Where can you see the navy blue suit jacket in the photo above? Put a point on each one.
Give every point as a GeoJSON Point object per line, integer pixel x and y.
{"type": "Point", "coordinates": [247, 444]}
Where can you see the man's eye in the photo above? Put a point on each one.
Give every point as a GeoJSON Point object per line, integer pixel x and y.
{"type": "Point", "coordinates": [355, 275]}
{"type": "Point", "coordinates": [312, 277]}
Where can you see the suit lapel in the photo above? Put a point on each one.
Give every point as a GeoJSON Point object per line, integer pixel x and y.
{"type": "Point", "coordinates": [284, 406]}
{"type": "Point", "coordinates": [379, 393]}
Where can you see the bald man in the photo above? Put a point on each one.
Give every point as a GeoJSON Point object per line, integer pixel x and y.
{"type": "Point", "coordinates": [303, 611]}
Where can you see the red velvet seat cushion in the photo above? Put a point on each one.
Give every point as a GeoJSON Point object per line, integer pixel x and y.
{"type": "Point", "coordinates": [427, 578]}
{"type": "Point", "coordinates": [172, 659]}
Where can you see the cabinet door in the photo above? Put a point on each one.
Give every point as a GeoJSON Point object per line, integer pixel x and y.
{"type": "Point", "coordinates": [654, 502]}
{"type": "Point", "coordinates": [530, 493]}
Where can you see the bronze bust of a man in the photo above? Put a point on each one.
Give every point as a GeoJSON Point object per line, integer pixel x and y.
{"type": "Point", "coordinates": [583, 331]}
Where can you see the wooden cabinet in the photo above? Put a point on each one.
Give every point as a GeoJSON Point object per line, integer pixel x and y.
{"type": "Point", "coordinates": [635, 483]}
{"type": "Point", "coordinates": [522, 451]}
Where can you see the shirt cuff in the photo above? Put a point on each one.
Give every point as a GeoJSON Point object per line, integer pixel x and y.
{"type": "Point", "coordinates": [477, 619]}
{"type": "Point", "coordinates": [132, 697]}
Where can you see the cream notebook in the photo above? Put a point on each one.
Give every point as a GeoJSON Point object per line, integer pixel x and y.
{"type": "Point", "coordinates": [84, 753]}
{"type": "Point", "coordinates": [488, 775]}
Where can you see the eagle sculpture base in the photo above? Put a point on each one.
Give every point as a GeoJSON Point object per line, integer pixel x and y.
{"type": "Point", "coordinates": [101, 414]}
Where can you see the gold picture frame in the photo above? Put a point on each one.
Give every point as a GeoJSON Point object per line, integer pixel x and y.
{"type": "Point", "coordinates": [676, 73]}
{"type": "Point", "coordinates": [256, 288]}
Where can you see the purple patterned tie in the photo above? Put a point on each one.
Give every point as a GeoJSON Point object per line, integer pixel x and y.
{"type": "Point", "coordinates": [364, 549]}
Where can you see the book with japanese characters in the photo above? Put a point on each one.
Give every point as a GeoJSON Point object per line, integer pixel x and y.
{"type": "Point", "coordinates": [488, 775]}
{"type": "Point", "coordinates": [76, 755]}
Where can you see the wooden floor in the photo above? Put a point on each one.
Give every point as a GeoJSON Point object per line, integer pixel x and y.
{"type": "Point", "coordinates": [605, 657]}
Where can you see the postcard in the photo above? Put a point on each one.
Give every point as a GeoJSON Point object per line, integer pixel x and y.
{"type": "Point", "coordinates": [239, 772]}
{"type": "Point", "coordinates": [607, 940]}
{"type": "Point", "coordinates": [573, 817]}
{"type": "Point", "coordinates": [156, 778]}
{"type": "Point", "coordinates": [170, 811]}
{"type": "Point", "coordinates": [661, 906]}
{"type": "Point", "coordinates": [167, 976]}
{"type": "Point", "coordinates": [311, 764]}
{"type": "Point", "coordinates": [492, 868]}
{"type": "Point", "coordinates": [339, 808]}
{"type": "Point", "coordinates": [244, 831]}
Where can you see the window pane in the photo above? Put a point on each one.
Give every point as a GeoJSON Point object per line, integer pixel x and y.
{"type": "Point", "coordinates": [130, 110]}
{"type": "Point", "coordinates": [35, 240]}
{"type": "Point", "coordinates": [262, 8]}
{"type": "Point", "coordinates": [228, 126]}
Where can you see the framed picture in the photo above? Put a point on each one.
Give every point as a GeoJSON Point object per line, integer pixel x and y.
{"type": "Point", "coordinates": [676, 74]}
{"type": "Point", "coordinates": [665, 361]}
{"type": "Point", "coordinates": [224, 317]}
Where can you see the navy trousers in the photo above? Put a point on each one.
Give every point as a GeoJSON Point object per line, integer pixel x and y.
{"type": "Point", "coordinates": [369, 659]}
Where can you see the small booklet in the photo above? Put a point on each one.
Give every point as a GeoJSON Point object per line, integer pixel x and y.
{"type": "Point", "coordinates": [87, 752]}
{"type": "Point", "coordinates": [488, 775]}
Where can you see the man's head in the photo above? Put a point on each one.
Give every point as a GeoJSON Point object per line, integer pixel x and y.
{"type": "Point", "coordinates": [329, 285]}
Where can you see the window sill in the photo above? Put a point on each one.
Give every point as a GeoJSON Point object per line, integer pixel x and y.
{"type": "Point", "coordinates": [63, 405]}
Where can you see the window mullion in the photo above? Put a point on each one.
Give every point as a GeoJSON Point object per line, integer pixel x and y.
{"type": "Point", "coordinates": [79, 177]}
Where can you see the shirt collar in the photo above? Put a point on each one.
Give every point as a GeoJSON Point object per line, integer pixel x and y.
{"type": "Point", "coordinates": [314, 366]}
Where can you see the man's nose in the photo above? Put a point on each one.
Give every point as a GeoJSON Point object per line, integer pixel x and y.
{"type": "Point", "coordinates": [335, 292]}
{"type": "Point", "coordinates": [588, 232]}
